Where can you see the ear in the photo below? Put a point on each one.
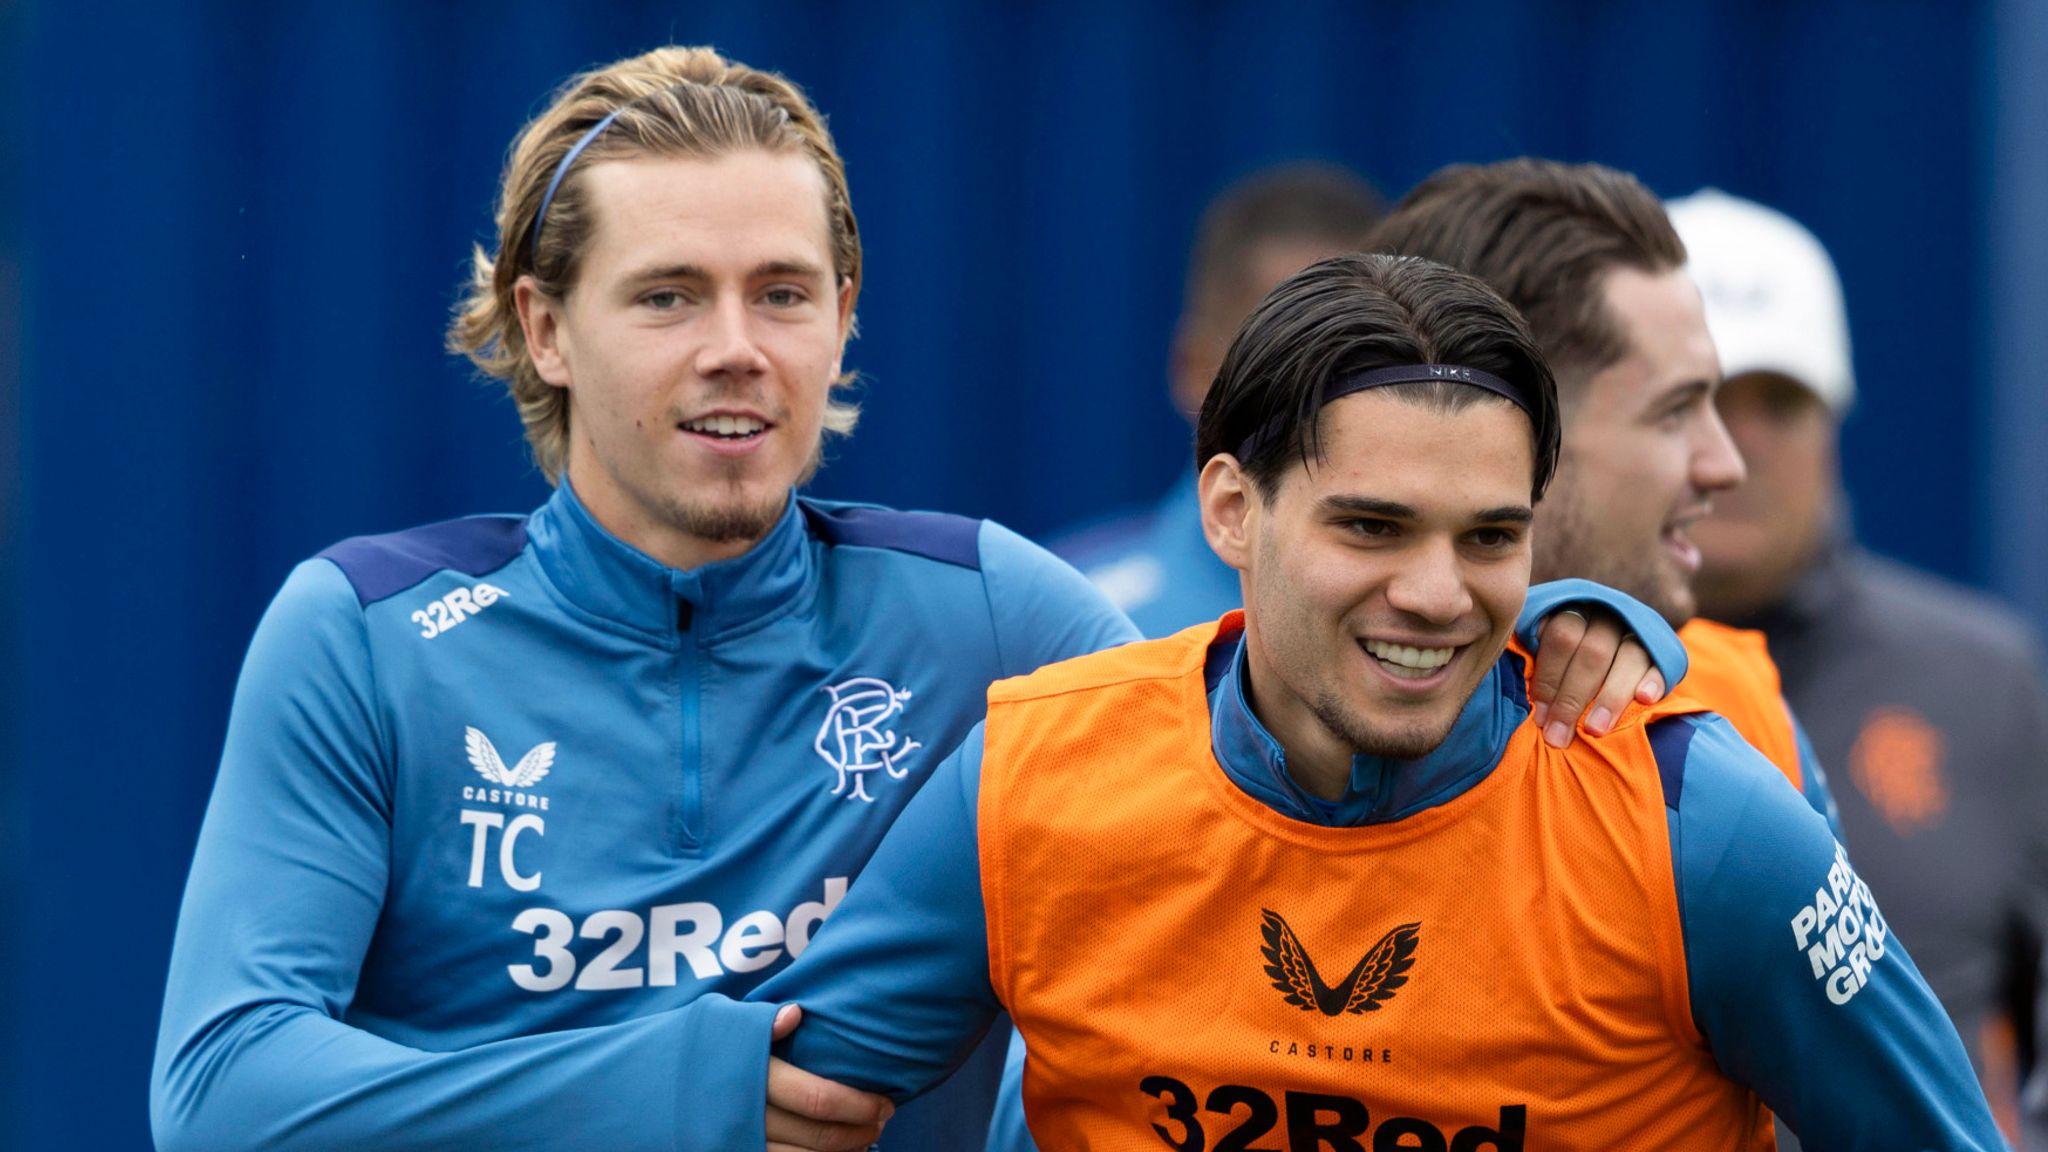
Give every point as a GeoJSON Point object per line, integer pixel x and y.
{"type": "Point", "coordinates": [1230, 509]}
{"type": "Point", "coordinates": [540, 317]}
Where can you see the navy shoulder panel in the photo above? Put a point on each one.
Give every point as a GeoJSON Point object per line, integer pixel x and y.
{"type": "Point", "coordinates": [933, 535]}
{"type": "Point", "coordinates": [1670, 743]}
{"type": "Point", "coordinates": [379, 567]}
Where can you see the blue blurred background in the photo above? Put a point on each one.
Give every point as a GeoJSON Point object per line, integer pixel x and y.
{"type": "Point", "coordinates": [230, 233]}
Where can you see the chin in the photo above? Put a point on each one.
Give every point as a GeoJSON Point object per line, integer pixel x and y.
{"type": "Point", "coordinates": [741, 516]}
{"type": "Point", "coordinates": [1675, 605]}
{"type": "Point", "coordinates": [1409, 739]}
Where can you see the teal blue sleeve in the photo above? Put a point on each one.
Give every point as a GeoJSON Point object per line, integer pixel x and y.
{"type": "Point", "coordinates": [895, 986]}
{"type": "Point", "coordinates": [1799, 986]}
{"type": "Point", "coordinates": [1666, 651]}
{"type": "Point", "coordinates": [254, 1049]}
{"type": "Point", "coordinates": [1044, 610]}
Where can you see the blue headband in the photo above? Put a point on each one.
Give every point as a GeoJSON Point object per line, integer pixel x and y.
{"type": "Point", "coordinates": [1344, 386]}
{"type": "Point", "coordinates": [562, 170]}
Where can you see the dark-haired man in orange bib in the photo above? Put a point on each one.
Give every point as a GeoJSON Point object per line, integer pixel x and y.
{"type": "Point", "coordinates": [1309, 878]}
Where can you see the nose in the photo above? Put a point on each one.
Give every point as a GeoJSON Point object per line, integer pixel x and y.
{"type": "Point", "coordinates": [1430, 583]}
{"type": "Point", "coordinates": [1716, 462]}
{"type": "Point", "coordinates": [730, 347]}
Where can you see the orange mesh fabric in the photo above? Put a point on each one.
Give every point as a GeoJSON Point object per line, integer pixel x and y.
{"type": "Point", "coordinates": [1731, 672]}
{"type": "Point", "coordinates": [1193, 970]}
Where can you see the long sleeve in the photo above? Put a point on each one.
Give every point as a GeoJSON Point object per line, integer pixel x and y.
{"type": "Point", "coordinates": [895, 989]}
{"type": "Point", "coordinates": [1044, 611]}
{"type": "Point", "coordinates": [1800, 989]}
{"type": "Point", "coordinates": [286, 890]}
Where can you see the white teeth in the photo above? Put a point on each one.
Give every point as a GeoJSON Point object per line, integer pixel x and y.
{"type": "Point", "coordinates": [726, 425]}
{"type": "Point", "coordinates": [1402, 659]}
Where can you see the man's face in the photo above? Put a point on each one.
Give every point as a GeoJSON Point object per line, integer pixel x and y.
{"type": "Point", "coordinates": [1764, 534]}
{"type": "Point", "coordinates": [1643, 452]}
{"type": "Point", "coordinates": [698, 345]}
{"type": "Point", "coordinates": [1383, 581]}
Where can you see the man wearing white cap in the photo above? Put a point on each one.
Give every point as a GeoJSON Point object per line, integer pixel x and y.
{"type": "Point", "coordinates": [1924, 695]}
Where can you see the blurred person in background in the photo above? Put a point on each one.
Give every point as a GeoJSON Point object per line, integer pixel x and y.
{"type": "Point", "coordinates": [1154, 563]}
{"type": "Point", "coordinates": [1925, 695]}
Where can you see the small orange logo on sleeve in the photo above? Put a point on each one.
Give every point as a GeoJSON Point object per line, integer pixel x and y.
{"type": "Point", "coordinates": [1896, 764]}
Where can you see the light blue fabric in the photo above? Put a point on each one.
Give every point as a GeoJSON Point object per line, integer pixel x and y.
{"type": "Point", "coordinates": [382, 947]}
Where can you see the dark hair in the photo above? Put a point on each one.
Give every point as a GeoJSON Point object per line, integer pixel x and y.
{"type": "Point", "coordinates": [1544, 235]}
{"type": "Point", "coordinates": [1307, 200]}
{"type": "Point", "coordinates": [1352, 314]}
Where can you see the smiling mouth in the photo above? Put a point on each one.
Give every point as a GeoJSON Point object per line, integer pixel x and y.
{"type": "Point", "coordinates": [1677, 538]}
{"type": "Point", "coordinates": [1406, 662]}
{"type": "Point", "coordinates": [728, 427]}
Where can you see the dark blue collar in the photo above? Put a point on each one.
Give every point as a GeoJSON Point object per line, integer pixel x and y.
{"type": "Point", "coordinates": [1381, 789]}
{"type": "Point", "coordinates": [623, 586]}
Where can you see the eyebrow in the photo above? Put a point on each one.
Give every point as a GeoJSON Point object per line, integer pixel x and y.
{"type": "Point", "coordinates": [1685, 391]}
{"type": "Point", "coordinates": [1506, 514]}
{"type": "Point", "coordinates": [1370, 506]}
{"type": "Point", "coordinates": [794, 268]}
{"type": "Point", "coordinates": [1391, 510]}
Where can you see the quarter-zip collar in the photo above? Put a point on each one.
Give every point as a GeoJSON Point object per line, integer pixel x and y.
{"type": "Point", "coordinates": [619, 584]}
{"type": "Point", "coordinates": [1382, 789]}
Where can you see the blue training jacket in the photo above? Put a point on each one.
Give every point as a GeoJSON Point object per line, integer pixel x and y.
{"type": "Point", "coordinates": [503, 798]}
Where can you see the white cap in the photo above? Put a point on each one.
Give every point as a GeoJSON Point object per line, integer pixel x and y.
{"type": "Point", "coordinates": [1774, 303]}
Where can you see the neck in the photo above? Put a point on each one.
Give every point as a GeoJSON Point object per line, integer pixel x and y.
{"type": "Point", "coordinates": [1317, 758]}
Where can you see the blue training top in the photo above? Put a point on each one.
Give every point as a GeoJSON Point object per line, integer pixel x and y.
{"type": "Point", "coordinates": [503, 798]}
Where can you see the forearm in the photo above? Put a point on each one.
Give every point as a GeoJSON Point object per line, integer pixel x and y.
{"type": "Point", "coordinates": [895, 987]}
{"type": "Point", "coordinates": [287, 1078]}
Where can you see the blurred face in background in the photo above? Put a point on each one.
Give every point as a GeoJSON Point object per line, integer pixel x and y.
{"type": "Point", "coordinates": [1764, 534]}
{"type": "Point", "coordinates": [1644, 451]}
{"type": "Point", "coordinates": [1218, 310]}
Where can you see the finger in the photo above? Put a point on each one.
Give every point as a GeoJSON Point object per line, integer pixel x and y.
{"type": "Point", "coordinates": [1555, 645]}
{"type": "Point", "coordinates": [787, 1018]}
{"type": "Point", "coordinates": [810, 1097]}
{"type": "Point", "coordinates": [1630, 664]}
{"type": "Point", "coordinates": [1582, 679]}
{"type": "Point", "coordinates": [1652, 688]}
{"type": "Point", "coordinates": [799, 1134]}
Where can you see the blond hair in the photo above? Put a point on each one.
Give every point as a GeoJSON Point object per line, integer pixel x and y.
{"type": "Point", "coordinates": [688, 102]}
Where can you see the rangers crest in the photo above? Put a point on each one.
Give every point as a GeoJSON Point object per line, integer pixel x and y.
{"type": "Point", "coordinates": [853, 739]}
{"type": "Point", "coordinates": [483, 756]}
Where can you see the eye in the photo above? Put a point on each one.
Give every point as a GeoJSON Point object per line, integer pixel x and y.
{"type": "Point", "coordinates": [783, 296]}
{"type": "Point", "coordinates": [663, 299]}
{"type": "Point", "coordinates": [1494, 538]}
{"type": "Point", "coordinates": [1371, 528]}
{"type": "Point", "coordinates": [1678, 412]}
